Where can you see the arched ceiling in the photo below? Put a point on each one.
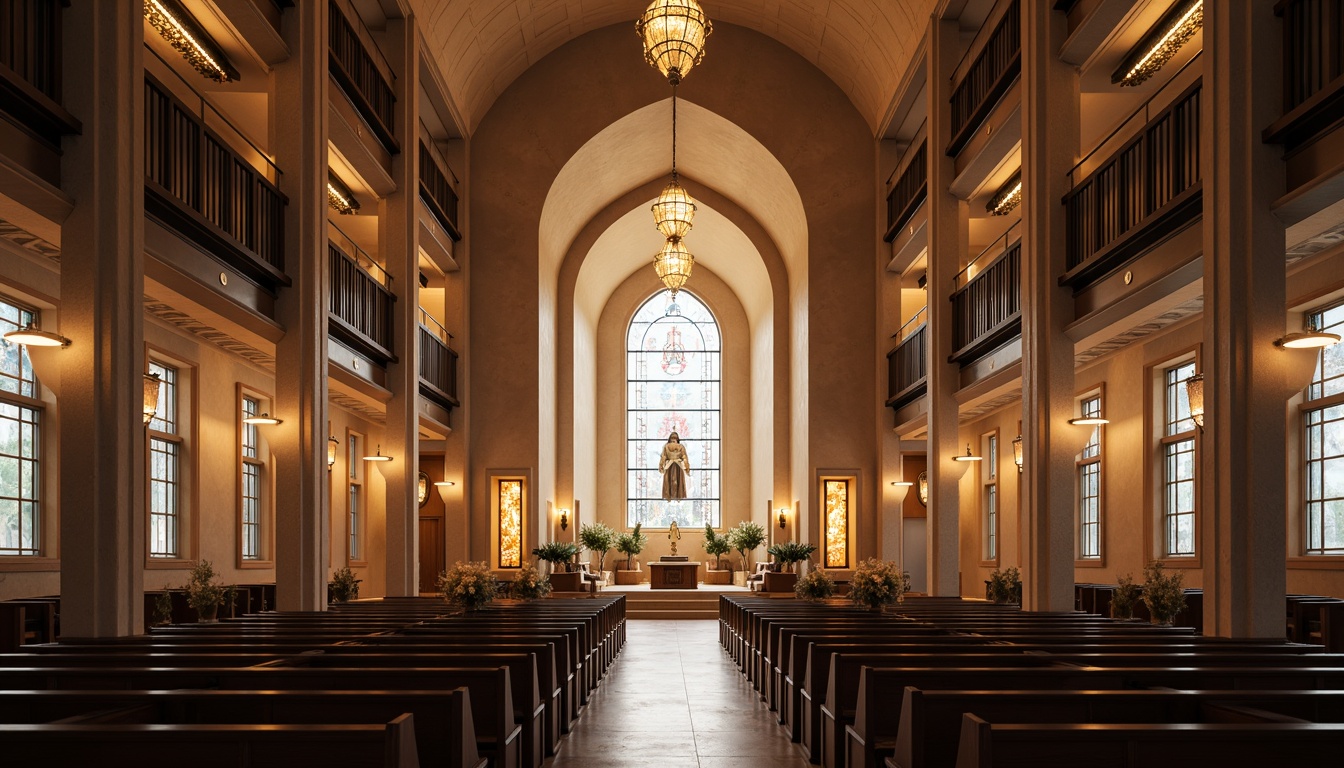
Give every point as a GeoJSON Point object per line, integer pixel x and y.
{"type": "Point", "coordinates": [864, 46]}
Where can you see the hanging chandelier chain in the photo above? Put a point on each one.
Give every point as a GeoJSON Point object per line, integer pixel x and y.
{"type": "Point", "coordinates": [674, 132]}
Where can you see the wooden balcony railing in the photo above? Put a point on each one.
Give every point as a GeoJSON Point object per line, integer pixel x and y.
{"type": "Point", "coordinates": [1313, 70]}
{"type": "Point", "coordinates": [361, 302]}
{"type": "Point", "coordinates": [438, 363]}
{"type": "Point", "coordinates": [369, 89]}
{"type": "Point", "coordinates": [1150, 187]}
{"type": "Point", "coordinates": [437, 193]}
{"type": "Point", "coordinates": [908, 191]}
{"type": "Point", "coordinates": [987, 309]}
{"type": "Point", "coordinates": [30, 67]}
{"type": "Point", "coordinates": [987, 79]}
{"type": "Point", "coordinates": [196, 184]}
{"type": "Point", "coordinates": [907, 366]}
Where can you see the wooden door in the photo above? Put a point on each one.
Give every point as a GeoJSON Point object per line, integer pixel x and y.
{"type": "Point", "coordinates": [431, 552]}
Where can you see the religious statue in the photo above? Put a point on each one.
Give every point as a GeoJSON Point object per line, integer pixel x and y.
{"type": "Point", "coordinates": [673, 533]}
{"type": "Point", "coordinates": [675, 468]}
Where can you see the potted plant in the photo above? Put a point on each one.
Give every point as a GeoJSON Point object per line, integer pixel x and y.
{"type": "Point", "coordinates": [787, 555]}
{"type": "Point", "coordinates": [163, 609]}
{"type": "Point", "coordinates": [745, 538]}
{"type": "Point", "coordinates": [630, 544]}
{"type": "Point", "coordinates": [598, 537]}
{"type": "Point", "coordinates": [1005, 586]}
{"type": "Point", "coordinates": [877, 583]}
{"type": "Point", "coordinates": [343, 586]}
{"type": "Point", "coordinates": [204, 594]}
{"type": "Point", "coordinates": [529, 584]}
{"type": "Point", "coordinates": [816, 585]}
{"type": "Point", "coordinates": [469, 586]}
{"type": "Point", "coordinates": [717, 546]}
{"type": "Point", "coordinates": [1163, 594]}
{"type": "Point", "coordinates": [1124, 598]}
{"type": "Point", "coordinates": [561, 554]}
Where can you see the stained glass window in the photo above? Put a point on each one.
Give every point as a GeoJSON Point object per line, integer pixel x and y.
{"type": "Point", "coordinates": [673, 384]}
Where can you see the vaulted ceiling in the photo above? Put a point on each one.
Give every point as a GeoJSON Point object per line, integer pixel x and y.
{"type": "Point", "coordinates": [481, 46]}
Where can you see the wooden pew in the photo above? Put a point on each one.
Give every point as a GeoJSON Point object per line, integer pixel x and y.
{"type": "Point", "coordinates": [391, 745]}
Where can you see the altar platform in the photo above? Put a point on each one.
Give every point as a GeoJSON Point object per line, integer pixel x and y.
{"type": "Point", "coordinates": [702, 603]}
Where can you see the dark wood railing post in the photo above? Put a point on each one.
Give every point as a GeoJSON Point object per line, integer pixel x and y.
{"type": "Point", "coordinates": [987, 79]}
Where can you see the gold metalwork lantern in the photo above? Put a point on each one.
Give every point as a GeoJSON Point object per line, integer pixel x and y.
{"type": "Point", "coordinates": [673, 265]}
{"type": "Point", "coordinates": [674, 33]}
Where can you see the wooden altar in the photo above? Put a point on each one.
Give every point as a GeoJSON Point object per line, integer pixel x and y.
{"type": "Point", "coordinates": [673, 575]}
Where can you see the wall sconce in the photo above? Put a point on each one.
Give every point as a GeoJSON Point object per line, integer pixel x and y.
{"type": "Point", "coordinates": [422, 489]}
{"type": "Point", "coordinates": [339, 196]}
{"type": "Point", "coordinates": [1172, 31]}
{"type": "Point", "coordinates": [902, 489]}
{"type": "Point", "coordinates": [332, 442]}
{"type": "Point", "coordinates": [180, 29]}
{"type": "Point", "coordinates": [783, 517]}
{"type": "Point", "coordinates": [150, 401]}
{"type": "Point", "coordinates": [378, 456]}
{"type": "Point", "coordinates": [442, 487]}
{"type": "Point", "coordinates": [968, 456]}
{"type": "Point", "coordinates": [1194, 392]}
{"type": "Point", "coordinates": [36, 337]}
{"type": "Point", "coordinates": [564, 519]}
{"type": "Point", "coordinates": [1017, 453]}
{"type": "Point", "coordinates": [1089, 421]}
{"type": "Point", "coordinates": [1007, 197]}
{"type": "Point", "coordinates": [1308, 339]}
{"type": "Point", "coordinates": [922, 488]}
{"type": "Point", "coordinates": [264, 419]}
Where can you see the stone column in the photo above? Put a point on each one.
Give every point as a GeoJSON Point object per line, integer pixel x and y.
{"type": "Point", "coordinates": [398, 233]}
{"type": "Point", "coordinates": [102, 434]}
{"type": "Point", "coordinates": [1241, 454]}
{"type": "Point", "coordinates": [1050, 137]}
{"type": "Point", "coordinates": [947, 244]}
{"type": "Point", "coordinates": [302, 490]}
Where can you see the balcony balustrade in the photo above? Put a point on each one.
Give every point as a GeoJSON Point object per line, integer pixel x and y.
{"type": "Point", "coordinates": [987, 79]}
{"type": "Point", "coordinates": [368, 85]}
{"type": "Point", "coordinates": [909, 191]}
{"type": "Point", "coordinates": [987, 305]}
{"type": "Point", "coordinates": [907, 366]}
{"type": "Point", "coordinates": [1313, 71]}
{"type": "Point", "coordinates": [437, 193]}
{"type": "Point", "coordinates": [438, 363]}
{"type": "Point", "coordinates": [361, 301]}
{"type": "Point", "coordinates": [30, 68]}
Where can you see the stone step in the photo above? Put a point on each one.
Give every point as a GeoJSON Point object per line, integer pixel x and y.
{"type": "Point", "coordinates": [666, 614]}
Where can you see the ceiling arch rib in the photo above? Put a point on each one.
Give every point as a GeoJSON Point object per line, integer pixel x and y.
{"type": "Point", "coordinates": [864, 46]}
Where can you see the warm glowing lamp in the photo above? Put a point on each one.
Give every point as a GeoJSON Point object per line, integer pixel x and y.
{"type": "Point", "coordinates": [673, 265]}
{"type": "Point", "coordinates": [968, 456]}
{"type": "Point", "coordinates": [151, 397]}
{"type": "Point", "coordinates": [33, 336]}
{"type": "Point", "coordinates": [1017, 453]}
{"type": "Point", "coordinates": [674, 33]}
{"type": "Point", "coordinates": [1194, 391]}
{"type": "Point", "coordinates": [265, 419]}
{"type": "Point", "coordinates": [378, 456]}
{"type": "Point", "coordinates": [332, 442]}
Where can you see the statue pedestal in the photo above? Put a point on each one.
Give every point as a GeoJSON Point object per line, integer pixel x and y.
{"type": "Point", "coordinates": [673, 575]}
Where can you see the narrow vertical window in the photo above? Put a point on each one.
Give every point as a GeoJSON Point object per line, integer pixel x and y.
{"type": "Point", "coordinates": [1323, 452]}
{"type": "Point", "coordinates": [1089, 486]}
{"type": "Point", "coordinates": [1178, 463]}
{"type": "Point", "coordinates": [510, 504]}
{"type": "Point", "coordinates": [990, 474]}
{"type": "Point", "coordinates": [253, 471]}
{"type": "Point", "coordinates": [20, 442]}
{"type": "Point", "coordinates": [836, 493]}
{"type": "Point", "coordinates": [165, 464]}
{"type": "Point", "coordinates": [355, 459]}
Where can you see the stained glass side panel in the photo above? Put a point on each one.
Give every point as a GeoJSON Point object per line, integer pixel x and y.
{"type": "Point", "coordinates": [510, 523]}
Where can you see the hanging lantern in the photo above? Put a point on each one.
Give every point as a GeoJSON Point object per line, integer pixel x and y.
{"type": "Point", "coordinates": [674, 33]}
{"type": "Point", "coordinates": [673, 265]}
{"type": "Point", "coordinates": [151, 397]}
{"type": "Point", "coordinates": [674, 211]}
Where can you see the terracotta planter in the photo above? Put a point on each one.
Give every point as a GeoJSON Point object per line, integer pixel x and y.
{"type": "Point", "coordinates": [718, 577]}
{"type": "Point", "coordinates": [739, 578]}
{"type": "Point", "coordinates": [567, 581]}
{"type": "Point", "coordinates": [628, 578]}
{"type": "Point", "coordinates": [779, 582]}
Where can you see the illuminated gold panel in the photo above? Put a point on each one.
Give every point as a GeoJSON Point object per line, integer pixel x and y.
{"type": "Point", "coordinates": [837, 523]}
{"type": "Point", "coordinates": [510, 523]}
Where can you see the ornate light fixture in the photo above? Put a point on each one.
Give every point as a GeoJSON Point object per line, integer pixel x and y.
{"type": "Point", "coordinates": [378, 456]}
{"type": "Point", "coordinates": [150, 400]}
{"type": "Point", "coordinates": [922, 488]}
{"type": "Point", "coordinates": [180, 29]}
{"type": "Point", "coordinates": [674, 209]}
{"type": "Point", "coordinates": [674, 33]}
{"type": "Point", "coordinates": [673, 265]}
{"type": "Point", "coordinates": [265, 419]}
{"type": "Point", "coordinates": [1161, 43]}
{"type": "Point", "coordinates": [339, 196]}
{"type": "Point", "coordinates": [332, 442]}
{"type": "Point", "coordinates": [422, 489]}
{"type": "Point", "coordinates": [968, 456]}
{"type": "Point", "coordinates": [1194, 392]}
{"type": "Point", "coordinates": [1007, 197]}
{"type": "Point", "coordinates": [1017, 453]}
{"type": "Point", "coordinates": [564, 519]}
{"type": "Point", "coordinates": [783, 517]}
{"type": "Point", "coordinates": [36, 337]}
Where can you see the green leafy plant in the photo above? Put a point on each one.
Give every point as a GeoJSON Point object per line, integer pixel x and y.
{"type": "Point", "coordinates": [557, 553]}
{"type": "Point", "coordinates": [204, 594]}
{"type": "Point", "coordinates": [1005, 586]}
{"type": "Point", "coordinates": [631, 544]}
{"type": "Point", "coordinates": [745, 538]}
{"type": "Point", "coordinates": [788, 554]}
{"type": "Point", "coordinates": [343, 585]}
{"type": "Point", "coordinates": [1163, 593]}
{"type": "Point", "coordinates": [815, 585]}
{"type": "Point", "coordinates": [1125, 597]}
{"type": "Point", "coordinates": [529, 584]}
{"type": "Point", "coordinates": [598, 537]}
{"type": "Point", "coordinates": [716, 545]}
{"type": "Point", "coordinates": [877, 583]}
{"type": "Point", "coordinates": [163, 608]}
{"type": "Point", "coordinates": [468, 585]}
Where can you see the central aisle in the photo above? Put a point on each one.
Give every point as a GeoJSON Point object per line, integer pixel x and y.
{"type": "Point", "coordinates": [674, 699]}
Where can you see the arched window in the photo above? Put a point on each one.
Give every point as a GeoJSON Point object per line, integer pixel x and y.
{"type": "Point", "coordinates": [672, 373]}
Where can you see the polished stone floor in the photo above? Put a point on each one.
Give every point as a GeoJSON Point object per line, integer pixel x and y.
{"type": "Point", "coordinates": [674, 699]}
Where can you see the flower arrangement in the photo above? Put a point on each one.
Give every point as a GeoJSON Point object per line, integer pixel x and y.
{"type": "Point", "coordinates": [1005, 586]}
{"type": "Point", "coordinates": [1162, 593]}
{"type": "Point", "coordinates": [1124, 598]}
{"type": "Point", "coordinates": [529, 584]}
{"type": "Point", "coordinates": [815, 585]}
{"type": "Point", "coordinates": [343, 585]}
{"type": "Point", "coordinates": [468, 585]}
{"type": "Point", "coordinates": [598, 537]}
{"type": "Point", "coordinates": [631, 544]}
{"type": "Point", "coordinates": [716, 545]}
{"type": "Point", "coordinates": [877, 583]}
{"type": "Point", "coordinates": [745, 538]}
{"type": "Point", "coordinates": [789, 553]}
{"type": "Point", "coordinates": [204, 594]}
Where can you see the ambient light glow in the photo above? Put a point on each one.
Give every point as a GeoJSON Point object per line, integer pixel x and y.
{"type": "Point", "coordinates": [177, 27]}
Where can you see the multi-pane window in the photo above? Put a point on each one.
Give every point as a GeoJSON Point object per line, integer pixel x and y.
{"type": "Point", "coordinates": [20, 442]}
{"type": "Point", "coordinates": [1178, 463]}
{"type": "Point", "coordinates": [1089, 485]}
{"type": "Point", "coordinates": [1323, 418]}
{"type": "Point", "coordinates": [990, 474]}
{"type": "Point", "coordinates": [673, 363]}
{"type": "Point", "coordinates": [356, 515]}
{"type": "Point", "coordinates": [253, 469]}
{"type": "Point", "coordinates": [165, 467]}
